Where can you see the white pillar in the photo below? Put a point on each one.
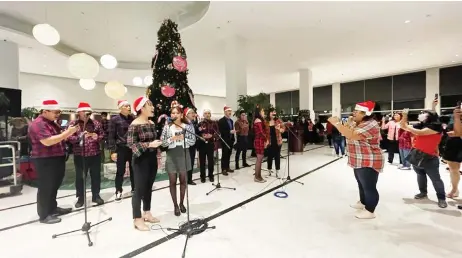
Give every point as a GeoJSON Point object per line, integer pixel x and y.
{"type": "Point", "coordinates": [235, 71]}
{"type": "Point", "coordinates": [273, 99]}
{"type": "Point", "coordinates": [306, 90]}
{"type": "Point", "coordinates": [9, 65]}
{"type": "Point", "coordinates": [336, 106]}
{"type": "Point", "coordinates": [432, 87]}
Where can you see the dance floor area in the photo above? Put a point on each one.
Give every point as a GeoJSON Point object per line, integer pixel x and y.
{"type": "Point", "coordinates": [315, 220]}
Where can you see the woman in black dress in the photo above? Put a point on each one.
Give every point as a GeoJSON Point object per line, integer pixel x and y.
{"type": "Point", "coordinates": [453, 156]}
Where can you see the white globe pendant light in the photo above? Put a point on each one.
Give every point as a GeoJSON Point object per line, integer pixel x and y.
{"type": "Point", "coordinates": [46, 34]}
{"type": "Point", "coordinates": [114, 89]}
{"type": "Point", "coordinates": [108, 61]}
{"type": "Point", "coordinates": [83, 66]}
{"type": "Point", "coordinates": [87, 84]}
{"type": "Point", "coordinates": [137, 81]}
{"type": "Point", "coordinates": [126, 89]}
{"type": "Point", "coordinates": [148, 80]}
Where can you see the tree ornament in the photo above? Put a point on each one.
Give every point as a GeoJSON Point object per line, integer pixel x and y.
{"type": "Point", "coordinates": [167, 90]}
{"type": "Point", "coordinates": [179, 63]}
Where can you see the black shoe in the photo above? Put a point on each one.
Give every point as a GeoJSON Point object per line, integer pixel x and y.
{"type": "Point", "coordinates": [246, 165]}
{"type": "Point", "coordinates": [79, 203]}
{"type": "Point", "coordinates": [61, 211]}
{"type": "Point", "coordinates": [202, 180]}
{"type": "Point", "coordinates": [211, 179]}
{"type": "Point", "coordinates": [442, 203]}
{"type": "Point", "coordinates": [97, 200]}
{"type": "Point", "coordinates": [50, 220]}
{"type": "Point", "coordinates": [230, 170]}
{"type": "Point", "coordinates": [182, 208]}
{"type": "Point", "coordinates": [459, 207]}
{"type": "Point", "coordinates": [177, 211]}
{"type": "Point", "coordinates": [191, 183]}
{"type": "Point", "coordinates": [225, 173]}
{"type": "Point", "coordinates": [236, 167]}
{"type": "Point", "coordinates": [420, 196]}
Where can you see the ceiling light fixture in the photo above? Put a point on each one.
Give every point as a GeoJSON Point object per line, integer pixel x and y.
{"type": "Point", "coordinates": [108, 61]}
{"type": "Point", "coordinates": [407, 21]}
{"type": "Point", "coordinates": [87, 84]}
{"type": "Point", "coordinates": [148, 80]}
{"type": "Point", "coordinates": [137, 81]}
{"type": "Point", "coordinates": [457, 55]}
{"type": "Point", "coordinates": [46, 34]}
{"type": "Point", "coordinates": [83, 66]}
{"type": "Point", "coordinates": [453, 61]}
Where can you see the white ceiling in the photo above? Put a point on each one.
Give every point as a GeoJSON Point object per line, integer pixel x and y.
{"type": "Point", "coordinates": [338, 41]}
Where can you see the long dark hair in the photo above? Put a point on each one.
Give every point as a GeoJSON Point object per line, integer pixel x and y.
{"type": "Point", "coordinates": [257, 114]}
{"type": "Point", "coordinates": [268, 118]}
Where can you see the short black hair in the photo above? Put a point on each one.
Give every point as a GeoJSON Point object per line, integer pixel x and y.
{"type": "Point", "coordinates": [103, 113]}
{"type": "Point", "coordinates": [242, 112]}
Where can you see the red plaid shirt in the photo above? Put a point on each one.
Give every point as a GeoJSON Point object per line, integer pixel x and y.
{"type": "Point", "coordinates": [404, 140]}
{"type": "Point", "coordinates": [92, 147]}
{"type": "Point", "coordinates": [366, 152]}
{"type": "Point", "coordinates": [40, 129]}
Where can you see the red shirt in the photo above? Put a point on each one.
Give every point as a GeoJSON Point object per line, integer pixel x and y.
{"type": "Point", "coordinates": [428, 143]}
{"type": "Point", "coordinates": [40, 129]}
{"type": "Point", "coordinates": [92, 147]}
{"type": "Point", "coordinates": [404, 140]}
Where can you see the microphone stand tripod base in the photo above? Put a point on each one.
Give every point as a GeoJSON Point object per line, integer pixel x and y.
{"type": "Point", "coordinates": [291, 180]}
{"type": "Point", "coordinates": [218, 187]}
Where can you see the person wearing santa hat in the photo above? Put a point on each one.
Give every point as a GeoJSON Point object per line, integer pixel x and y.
{"type": "Point", "coordinates": [208, 129]}
{"type": "Point", "coordinates": [49, 158]}
{"type": "Point", "coordinates": [226, 127]}
{"type": "Point", "coordinates": [364, 155]}
{"type": "Point", "coordinates": [87, 155]}
{"type": "Point", "coordinates": [141, 139]}
{"type": "Point", "coordinates": [191, 115]}
{"type": "Point", "coordinates": [117, 144]}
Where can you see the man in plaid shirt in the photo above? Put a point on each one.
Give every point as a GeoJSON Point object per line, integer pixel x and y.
{"type": "Point", "coordinates": [87, 153]}
{"type": "Point", "coordinates": [364, 156]}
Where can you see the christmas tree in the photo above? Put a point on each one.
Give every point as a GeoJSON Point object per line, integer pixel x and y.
{"type": "Point", "coordinates": [170, 73]}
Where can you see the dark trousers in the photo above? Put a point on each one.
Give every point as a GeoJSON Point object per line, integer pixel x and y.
{"type": "Point", "coordinates": [206, 152]}
{"type": "Point", "coordinates": [274, 153]}
{"type": "Point", "coordinates": [124, 155]}
{"type": "Point", "coordinates": [329, 139]}
{"type": "Point", "coordinates": [241, 147]}
{"type": "Point", "coordinates": [192, 153]}
{"type": "Point", "coordinates": [339, 145]}
{"type": "Point", "coordinates": [392, 149]}
{"type": "Point", "coordinates": [431, 169]}
{"type": "Point", "coordinates": [367, 183]}
{"type": "Point", "coordinates": [50, 175]}
{"type": "Point", "coordinates": [226, 154]}
{"type": "Point", "coordinates": [145, 171]}
{"type": "Point", "coordinates": [92, 164]}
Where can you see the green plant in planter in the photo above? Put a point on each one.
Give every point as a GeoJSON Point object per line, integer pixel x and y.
{"type": "Point", "coordinates": [29, 112]}
{"type": "Point", "coordinates": [248, 103]}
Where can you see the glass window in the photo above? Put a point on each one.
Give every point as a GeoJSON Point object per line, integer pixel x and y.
{"type": "Point", "coordinates": [450, 101]}
{"type": "Point", "coordinates": [350, 94]}
{"type": "Point", "coordinates": [451, 81]}
{"type": "Point", "coordinates": [322, 99]}
{"type": "Point", "coordinates": [408, 87]}
{"type": "Point", "coordinates": [411, 104]}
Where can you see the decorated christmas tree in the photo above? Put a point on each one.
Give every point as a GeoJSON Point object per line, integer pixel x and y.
{"type": "Point", "coordinates": [170, 73]}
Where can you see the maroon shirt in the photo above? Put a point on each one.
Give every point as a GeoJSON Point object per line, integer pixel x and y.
{"type": "Point", "coordinates": [40, 129]}
{"type": "Point", "coordinates": [92, 147]}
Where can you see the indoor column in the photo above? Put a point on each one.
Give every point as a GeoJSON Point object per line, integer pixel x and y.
{"type": "Point", "coordinates": [336, 105]}
{"type": "Point", "coordinates": [235, 71]}
{"type": "Point", "coordinates": [432, 86]}
{"type": "Point", "coordinates": [9, 65]}
{"type": "Point", "coordinates": [273, 99]}
{"type": "Point", "coordinates": [306, 90]}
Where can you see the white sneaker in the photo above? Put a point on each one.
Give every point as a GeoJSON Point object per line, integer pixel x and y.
{"type": "Point", "coordinates": [400, 166]}
{"type": "Point", "coordinates": [358, 206]}
{"type": "Point", "coordinates": [364, 214]}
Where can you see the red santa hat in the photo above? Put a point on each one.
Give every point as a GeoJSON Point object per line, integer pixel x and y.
{"type": "Point", "coordinates": [84, 106]}
{"type": "Point", "coordinates": [187, 111]}
{"type": "Point", "coordinates": [206, 110]}
{"type": "Point", "coordinates": [139, 103]}
{"type": "Point", "coordinates": [50, 105]}
{"type": "Point", "coordinates": [226, 108]}
{"type": "Point", "coordinates": [367, 107]}
{"type": "Point", "coordinates": [122, 103]}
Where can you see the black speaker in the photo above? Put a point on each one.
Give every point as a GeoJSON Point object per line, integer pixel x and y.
{"type": "Point", "coordinates": [14, 99]}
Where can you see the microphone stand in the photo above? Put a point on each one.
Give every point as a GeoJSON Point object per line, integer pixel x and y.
{"type": "Point", "coordinates": [195, 226]}
{"type": "Point", "coordinates": [218, 185]}
{"type": "Point", "coordinates": [86, 225]}
{"type": "Point", "coordinates": [288, 156]}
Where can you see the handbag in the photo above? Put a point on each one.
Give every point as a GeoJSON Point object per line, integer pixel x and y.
{"type": "Point", "coordinates": [418, 158]}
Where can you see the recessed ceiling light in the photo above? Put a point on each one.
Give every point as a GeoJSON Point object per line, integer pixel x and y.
{"type": "Point", "coordinates": [407, 21]}
{"type": "Point", "coordinates": [410, 54]}
{"type": "Point", "coordinates": [457, 55]}
{"type": "Point", "coordinates": [453, 61]}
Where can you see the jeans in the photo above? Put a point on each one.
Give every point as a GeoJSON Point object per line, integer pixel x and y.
{"type": "Point", "coordinates": [339, 145]}
{"type": "Point", "coordinates": [431, 169]}
{"type": "Point", "coordinates": [403, 154]}
{"type": "Point", "coordinates": [367, 183]}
